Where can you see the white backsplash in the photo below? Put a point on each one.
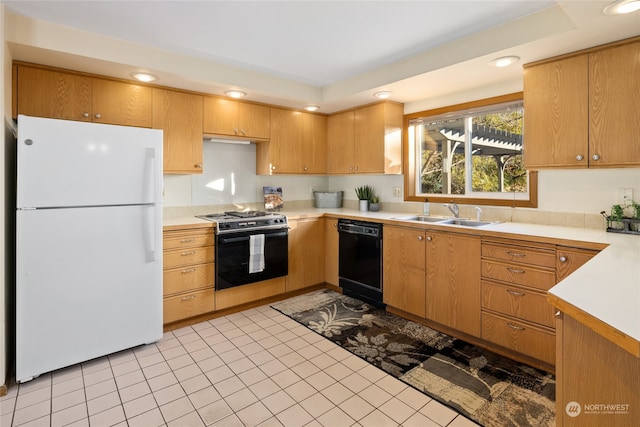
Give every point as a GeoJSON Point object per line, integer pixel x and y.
{"type": "Point", "coordinates": [565, 197]}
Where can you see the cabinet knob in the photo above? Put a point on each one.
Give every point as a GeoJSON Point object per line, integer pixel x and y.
{"type": "Point", "coordinates": [235, 130]}
{"type": "Point", "coordinates": [579, 157]}
{"type": "Point", "coordinates": [85, 115]}
{"type": "Point", "coordinates": [429, 238]}
{"type": "Point", "coordinates": [350, 168]}
{"type": "Point", "coordinates": [273, 168]}
{"type": "Point", "coordinates": [306, 168]}
{"type": "Point", "coordinates": [420, 237]}
{"type": "Point", "coordinates": [596, 157]}
{"type": "Point", "coordinates": [563, 259]}
{"type": "Point", "coordinates": [198, 165]}
{"type": "Point", "coordinates": [98, 116]}
{"type": "Point", "coordinates": [356, 168]}
{"type": "Point", "coordinates": [243, 132]}
{"type": "Point", "coordinates": [335, 224]}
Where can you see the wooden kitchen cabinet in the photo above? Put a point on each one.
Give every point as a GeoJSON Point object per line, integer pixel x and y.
{"type": "Point", "coordinates": [516, 276]}
{"type": "Point", "coordinates": [570, 259]}
{"type": "Point", "coordinates": [366, 140]}
{"type": "Point", "coordinates": [581, 110]}
{"type": "Point", "coordinates": [188, 273]}
{"type": "Point", "coordinates": [592, 372]}
{"type": "Point", "coordinates": [331, 258]}
{"type": "Point", "coordinates": [236, 118]}
{"type": "Point", "coordinates": [64, 95]}
{"type": "Point", "coordinates": [306, 253]}
{"type": "Point", "coordinates": [52, 94]}
{"type": "Point", "coordinates": [404, 261]}
{"type": "Point", "coordinates": [453, 281]}
{"type": "Point", "coordinates": [179, 115]}
{"type": "Point", "coordinates": [297, 144]}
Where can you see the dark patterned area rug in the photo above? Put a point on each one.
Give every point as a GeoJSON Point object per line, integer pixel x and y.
{"type": "Point", "coordinates": [487, 388]}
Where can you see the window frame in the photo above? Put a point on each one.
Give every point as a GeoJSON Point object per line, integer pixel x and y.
{"type": "Point", "coordinates": [410, 168]}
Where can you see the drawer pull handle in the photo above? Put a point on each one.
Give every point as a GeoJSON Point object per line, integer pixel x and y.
{"type": "Point", "coordinates": [188, 298]}
{"type": "Point", "coordinates": [563, 258]}
{"type": "Point", "coordinates": [516, 327]}
{"type": "Point", "coordinates": [515, 270]}
{"type": "Point", "coordinates": [191, 270]}
{"type": "Point", "coordinates": [188, 253]}
{"type": "Point", "coordinates": [187, 240]}
{"type": "Point", "coordinates": [518, 294]}
{"type": "Point", "coordinates": [516, 254]}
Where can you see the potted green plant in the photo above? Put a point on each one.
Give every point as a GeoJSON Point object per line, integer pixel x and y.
{"type": "Point", "coordinates": [616, 217]}
{"type": "Point", "coordinates": [364, 194]}
{"type": "Point", "coordinates": [374, 204]}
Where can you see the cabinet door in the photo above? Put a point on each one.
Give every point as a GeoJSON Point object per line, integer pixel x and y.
{"type": "Point", "coordinates": [453, 281]}
{"type": "Point", "coordinates": [331, 259]}
{"type": "Point", "coordinates": [220, 116]}
{"type": "Point", "coordinates": [253, 120]}
{"type": "Point", "coordinates": [614, 106]}
{"type": "Point", "coordinates": [314, 144]}
{"type": "Point", "coordinates": [404, 269]}
{"type": "Point", "coordinates": [569, 260]}
{"type": "Point", "coordinates": [306, 254]}
{"type": "Point", "coordinates": [52, 94]}
{"type": "Point", "coordinates": [368, 146]}
{"type": "Point", "coordinates": [340, 133]}
{"type": "Point", "coordinates": [286, 141]}
{"type": "Point", "coordinates": [556, 113]}
{"type": "Point", "coordinates": [179, 115]}
{"type": "Point", "coordinates": [119, 103]}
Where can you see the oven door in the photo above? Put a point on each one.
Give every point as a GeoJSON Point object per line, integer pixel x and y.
{"type": "Point", "coordinates": [232, 257]}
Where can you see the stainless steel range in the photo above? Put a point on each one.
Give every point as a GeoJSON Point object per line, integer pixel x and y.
{"type": "Point", "coordinates": [229, 222]}
{"type": "Point", "coordinates": [251, 246]}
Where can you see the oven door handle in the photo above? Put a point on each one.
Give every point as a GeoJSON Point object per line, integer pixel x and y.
{"type": "Point", "coordinates": [246, 238]}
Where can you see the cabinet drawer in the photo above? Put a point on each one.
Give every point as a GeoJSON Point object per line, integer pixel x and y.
{"type": "Point", "coordinates": [188, 278]}
{"type": "Point", "coordinates": [519, 275]}
{"type": "Point", "coordinates": [188, 305]}
{"type": "Point", "coordinates": [519, 336]}
{"type": "Point", "coordinates": [519, 254]}
{"type": "Point", "coordinates": [187, 240]}
{"type": "Point", "coordinates": [187, 256]}
{"type": "Point", "coordinates": [518, 302]}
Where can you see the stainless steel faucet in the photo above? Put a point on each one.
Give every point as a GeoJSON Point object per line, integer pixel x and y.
{"type": "Point", "coordinates": [453, 208]}
{"type": "Point", "coordinates": [478, 213]}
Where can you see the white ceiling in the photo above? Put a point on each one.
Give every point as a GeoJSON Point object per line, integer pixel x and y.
{"type": "Point", "coordinates": [331, 53]}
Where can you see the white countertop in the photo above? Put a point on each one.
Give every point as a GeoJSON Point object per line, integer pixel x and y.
{"type": "Point", "coordinates": [607, 287]}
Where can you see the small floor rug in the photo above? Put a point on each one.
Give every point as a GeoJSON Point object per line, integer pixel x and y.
{"type": "Point", "coordinates": [485, 387]}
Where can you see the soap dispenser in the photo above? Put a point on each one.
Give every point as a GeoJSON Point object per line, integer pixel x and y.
{"type": "Point", "coordinates": [425, 207]}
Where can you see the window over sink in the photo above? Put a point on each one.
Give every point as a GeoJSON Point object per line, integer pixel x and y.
{"type": "Point", "coordinates": [469, 153]}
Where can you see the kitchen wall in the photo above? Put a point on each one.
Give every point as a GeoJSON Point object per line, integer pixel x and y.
{"type": "Point", "coordinates": [565, 197]}
{"type": "Point", "coordinates": [5, 114]}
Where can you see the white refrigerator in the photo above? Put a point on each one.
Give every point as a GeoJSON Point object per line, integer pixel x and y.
{"type": "Point", "coordinates": [88, 242]}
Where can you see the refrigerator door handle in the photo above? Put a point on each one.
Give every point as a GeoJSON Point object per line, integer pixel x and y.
{"type": "Point", "coordinates": [149, 225]}
{"type": "Point", "coordinates": [150, 217]}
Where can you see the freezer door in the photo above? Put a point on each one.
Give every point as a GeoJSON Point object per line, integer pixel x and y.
{"type": "Point", "coordinates": [89, 283]}
{"type": "Point", "coordinates": [67, 163]}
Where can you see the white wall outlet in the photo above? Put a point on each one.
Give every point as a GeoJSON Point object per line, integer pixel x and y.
{"type": "Point", "coordinates": [625, 196]}
{"type": "Point", "coordinates": [397, 191]}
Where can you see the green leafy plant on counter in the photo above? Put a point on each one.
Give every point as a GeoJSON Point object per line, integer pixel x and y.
{"type": "Point", "coordinates": [616, 212]}
{"type": "Point", "coordinates": [636, 209]}
{"type": "Point", "coordinates": [364, 192]}
{"type": "Point", "coordinates": [374, 199]}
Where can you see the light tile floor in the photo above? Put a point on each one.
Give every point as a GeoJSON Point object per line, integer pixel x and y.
{"type": "Point", "coordinates": [253, 368]}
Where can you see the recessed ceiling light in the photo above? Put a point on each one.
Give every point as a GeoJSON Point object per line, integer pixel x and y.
{"type": "Point", "coordinates": [312, 108]}
{"type": "Point", "coordinates": [620, 7]}
{"type": "Point", "coordinates": [505, 61]}
{"type": "Point", "coordinates": [383, 94]}
{"type": "Point", "coordinates": [143, 77]}
{"type": "Point", "coordinates": [235, 93]}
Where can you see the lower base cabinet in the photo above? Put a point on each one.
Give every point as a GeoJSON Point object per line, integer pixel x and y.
{"type": "Point", "coordinates": [188, 273]}
{"type": "Point", "coordinates": [306, 253]}
{"type": "Point", "coordinates": [597, 381]}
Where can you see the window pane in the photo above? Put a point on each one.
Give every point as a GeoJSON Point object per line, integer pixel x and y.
{"type": "Point", "coordinates": [496, 159]}
{"type": "Point", "coordinates": [442, 156]}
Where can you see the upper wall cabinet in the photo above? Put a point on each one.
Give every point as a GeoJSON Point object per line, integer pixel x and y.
{"type": "Point", "coordinates": [582, 111]}
{"type": "Point", "coordinates": [366, 140]}
{"type": "Point", "coordinates": [233, 118]}
{"type": "Point", "coordinates": [60, 95]}
{"type": "Point", "coordinates": [298, 144]}
{"type": "Point", "coordinates": [179, 115]}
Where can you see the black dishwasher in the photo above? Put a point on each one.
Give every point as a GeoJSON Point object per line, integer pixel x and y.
{"type": "Point", "coordinates": [360, 260]}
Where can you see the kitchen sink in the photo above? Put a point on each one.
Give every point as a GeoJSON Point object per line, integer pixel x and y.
{"type": "Point", "coordinates": [442, 220]}
{"type": "Point", "coordinates": [467, 222]}
{"type": "Point", "coordinates": [422, 218]}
